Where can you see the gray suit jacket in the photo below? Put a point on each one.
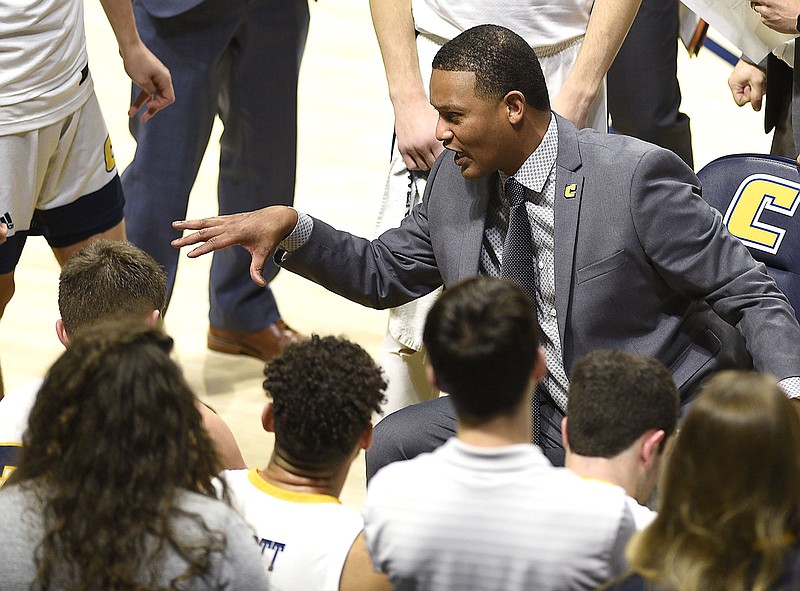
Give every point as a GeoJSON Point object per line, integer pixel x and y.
{"type": "Point", "coordinates": [642, 263]}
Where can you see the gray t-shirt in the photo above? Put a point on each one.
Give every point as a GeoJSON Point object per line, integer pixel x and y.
{"type": "Point", "coordinates": [238, 567]}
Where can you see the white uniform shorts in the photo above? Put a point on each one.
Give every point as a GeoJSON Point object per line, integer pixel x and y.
{"type": "Point", "coordinates": [59, 181]}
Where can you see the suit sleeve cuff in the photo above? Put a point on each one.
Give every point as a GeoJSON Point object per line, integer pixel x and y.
{"type": "Point", "coordinates": [301, 233]}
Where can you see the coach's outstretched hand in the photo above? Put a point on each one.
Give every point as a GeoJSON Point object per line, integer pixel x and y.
{"type": "Point", "coordinates": [259, 232]}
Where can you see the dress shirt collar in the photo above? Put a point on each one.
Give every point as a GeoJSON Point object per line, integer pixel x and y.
{"type": "Point", "coordinates": [536, 169]}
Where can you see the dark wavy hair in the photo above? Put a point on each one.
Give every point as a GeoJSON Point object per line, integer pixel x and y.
{"type": "Point", "coordinates": [616, 397]}
{"type": "Point", "coordinates": [482, 338]}
{"type": "Point", "coordinates": [324, 391]}
{"type": "Point", "coordinates": [113, 436]}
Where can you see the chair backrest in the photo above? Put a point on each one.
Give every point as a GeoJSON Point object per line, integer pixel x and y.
{"type": "Point", "coordinates": [758, 196]}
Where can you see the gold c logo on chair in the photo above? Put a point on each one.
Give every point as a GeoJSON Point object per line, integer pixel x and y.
{"type": "Point", "coordinates": [757, 193]}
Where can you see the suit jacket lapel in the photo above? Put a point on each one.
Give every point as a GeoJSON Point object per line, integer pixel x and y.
{"type": "Point", "coordinates": [478, 194]}
{"type": "Point", "coordinates": [568, 193]}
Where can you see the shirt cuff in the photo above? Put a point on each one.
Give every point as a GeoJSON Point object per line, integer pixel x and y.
{"type": "Point", "coordinates": [790, 387]}
{"type": "Point", "coordinates": [302, 231]}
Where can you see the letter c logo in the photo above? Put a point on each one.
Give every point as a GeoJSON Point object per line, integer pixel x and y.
{"type": "Point", "coordinates": [108, 154]}
{"type": "Point", "coordinates": [757, 193]}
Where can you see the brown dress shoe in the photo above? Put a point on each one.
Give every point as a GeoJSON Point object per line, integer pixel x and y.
{"type": "Point", "coordinates": [264, 344]}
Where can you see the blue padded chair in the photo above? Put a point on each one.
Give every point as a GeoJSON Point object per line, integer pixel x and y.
{"type": "Point", "coordinates": [758, 196]}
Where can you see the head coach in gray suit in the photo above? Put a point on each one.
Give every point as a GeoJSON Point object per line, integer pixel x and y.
{"type": "Point", "coordinates": [626, 254]}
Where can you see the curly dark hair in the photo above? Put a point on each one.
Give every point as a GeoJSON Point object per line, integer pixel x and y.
{"type": "Point", "coordinates": [324, 391]}
{"type": "Point", "coordinates": [113, 435]}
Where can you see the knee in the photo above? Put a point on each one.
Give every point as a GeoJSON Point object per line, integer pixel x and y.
{"type": "Point", "coordinates": [409, 432]}
{"type": "Point", "coordinates": [387, 443]}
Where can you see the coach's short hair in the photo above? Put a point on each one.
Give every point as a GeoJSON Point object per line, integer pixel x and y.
{"type": "Point", "coordinates": [482, 339]}
{"type": "Point", "coordinates": [501, 60]}
{"type": "Point", "coordinates": [109, 280]}
{"type": "Point", "coordinates": [614, 398]}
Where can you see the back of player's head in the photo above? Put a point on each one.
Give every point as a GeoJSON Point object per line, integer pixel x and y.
{"type": "Point", "coordinates": [501, 60]}
{"type": "Point", "coordinates": [324, 391]}
{"type": "Point", "coordinates": [616, 397]}
{"type": "Point", "coordinates": [482, 338]}
{"type": "Point", "coordinates": [109, 280]}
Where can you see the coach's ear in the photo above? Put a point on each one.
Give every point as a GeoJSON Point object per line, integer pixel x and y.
{"type": "Point", "coordinates": [268, 418]}
{"type": "Point", "coordinates": [515, 105]}
{"type": "Point", "coordinates": [61, 332]}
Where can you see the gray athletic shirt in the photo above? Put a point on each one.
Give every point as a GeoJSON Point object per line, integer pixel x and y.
{"type": "Point", "coordinates": [237, 568]}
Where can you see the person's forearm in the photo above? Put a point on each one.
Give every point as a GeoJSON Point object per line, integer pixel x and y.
{"type": "Point", "coordinates": [394, 28]}
{"type": "Point", "coordinates": [608, 25]}
{"type": "Point", "coordinates": [120, 15]}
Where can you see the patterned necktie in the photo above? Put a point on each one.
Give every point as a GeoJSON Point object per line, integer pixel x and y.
{"type": "Point", "coordinates": [519, 266]}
